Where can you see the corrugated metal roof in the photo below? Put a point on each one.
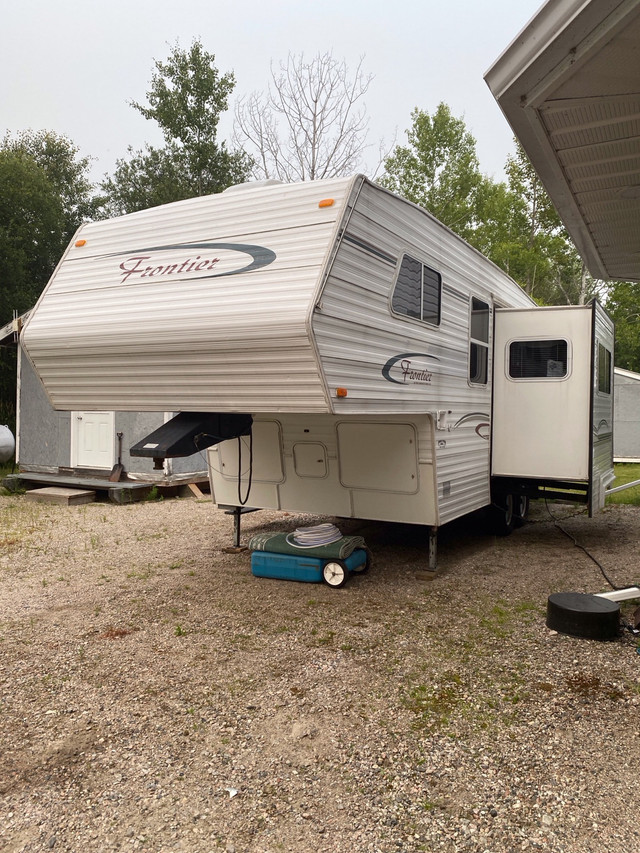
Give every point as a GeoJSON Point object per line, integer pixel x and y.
{"type": "Point", "coordinates": [569, 85]}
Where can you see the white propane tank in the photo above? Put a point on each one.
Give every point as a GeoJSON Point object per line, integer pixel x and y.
{"type": "Point", "coordinates": [7, 443]}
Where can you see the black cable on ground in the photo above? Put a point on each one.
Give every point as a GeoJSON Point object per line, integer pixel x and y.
{"type": "Point", "coordinates": [578, 545]}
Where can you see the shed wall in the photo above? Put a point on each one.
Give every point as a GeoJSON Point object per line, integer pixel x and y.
{"type": "Point", "coordinates": [44, 441]}
{"type": "Point", "coordinates": [626, 423]}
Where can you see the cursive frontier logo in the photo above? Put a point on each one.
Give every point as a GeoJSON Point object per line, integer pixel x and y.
{"type": "Point", "coordinates": [409, 368]}
{"type": "Point", "coordinates": [192, 260]}
{"type": "Point", "coordinates": [135, 266]}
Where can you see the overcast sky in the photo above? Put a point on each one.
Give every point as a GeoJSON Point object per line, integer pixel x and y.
{"type": "Point", "coordinates": [72, 67]}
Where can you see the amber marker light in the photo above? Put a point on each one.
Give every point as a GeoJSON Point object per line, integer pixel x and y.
{"type": "Point", "coordinates": [341, 392]}
{"type": "Point", "coordinates": [326, 202]}
{"type": "Point", "coordinates": [80, 242]}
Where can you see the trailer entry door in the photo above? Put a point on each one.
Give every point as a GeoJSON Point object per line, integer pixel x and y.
{"type": "Point", "coordinates": [553, 403]}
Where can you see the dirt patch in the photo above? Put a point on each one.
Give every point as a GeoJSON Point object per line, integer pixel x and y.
{"type": "Point", "coordinates": [154, 695]}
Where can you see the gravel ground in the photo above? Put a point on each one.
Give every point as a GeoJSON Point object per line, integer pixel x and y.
{"type": "Point", "coordinates": [154, 695]}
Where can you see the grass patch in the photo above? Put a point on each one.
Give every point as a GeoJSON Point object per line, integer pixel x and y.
{"type": "Point", "coordinates": [6, 468]}
{"type": "Point", "coordinates": [626, 472]}
{"type": "Point", "coordinates": [20, 522]}
{"type": "Point", "coordinates": [434, 703]}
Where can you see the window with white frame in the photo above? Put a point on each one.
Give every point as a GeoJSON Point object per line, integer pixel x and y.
{"type": "Point", "coordinates": [479, 342]}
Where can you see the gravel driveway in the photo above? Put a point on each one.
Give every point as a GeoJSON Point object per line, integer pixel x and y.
{"type": "Point", "coordinates": [154, 695]}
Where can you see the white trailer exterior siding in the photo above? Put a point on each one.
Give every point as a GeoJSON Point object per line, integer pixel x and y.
{"type": "Point", "coordinates": [378, 467]}
{"type": "Point", "coordinates": [530, 433]}
{"type": "Point", "coordinates": [357, 334]}
{"type": "Point", "coordinates": [120, 326]}
{"type": "Point", "coordinates": [601, 474]}
{"type": "Point", "coordinates": [102, 337]}
{"type": "Point", "coordinates": [279, 302]}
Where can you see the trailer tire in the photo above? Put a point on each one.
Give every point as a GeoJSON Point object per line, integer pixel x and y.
{"type": "Point", "coordinates": [335, 573]}
{"type": "Point", "coordinates": [503, 518]}
{"type": "Point", "coordinates": [521, 509]}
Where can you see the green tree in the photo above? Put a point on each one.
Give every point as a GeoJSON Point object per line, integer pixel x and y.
{"type": "Point", "coordinates": [438, 169]}
{"type": "Point", "coordinates": [493, 232]}
{"type": "Point", "coordinates": [65, 170]}
{"type": "Point", "coordinates": [538, 251]}
{"type": "Point", "coordinates": [148, 178]}
{"type": "Point", "coordinates": [513, 223]}
{"type": "Point", "coordinates": [623, 303]}
{"type": "Point", "coordinates": [46, 194]}
{"type": "Point", "coordinates": [187, 96]}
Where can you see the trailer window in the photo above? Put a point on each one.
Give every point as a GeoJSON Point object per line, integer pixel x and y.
{"type": "Point", "coordinates": [538, 359]}
{"type": "Point", "coordinates": [604, 370]}
{"type": "Point", "coordinates": [478, 342]}
{"type": "Point", "coordinates": [417, 291]}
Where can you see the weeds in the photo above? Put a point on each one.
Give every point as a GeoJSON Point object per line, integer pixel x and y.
{"type": "Point", "coordinates": [593, 687]}
{"type": "Point", "coordinates": [116, 633]}
{"type": "Point", "coordinates": [143, 574]}
{"type": "Point", "coordinates": [435, 703]}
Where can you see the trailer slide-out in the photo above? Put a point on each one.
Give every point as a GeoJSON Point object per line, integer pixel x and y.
{"type": "Point", "coordinates": [336, 350]}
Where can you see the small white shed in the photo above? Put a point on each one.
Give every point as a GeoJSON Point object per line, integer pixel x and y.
{"type": "Point", "coordinates": [626, 417]}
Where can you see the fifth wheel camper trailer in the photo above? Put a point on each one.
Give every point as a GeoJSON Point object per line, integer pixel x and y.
{"type": "Point", "coordinates": [336, 349]}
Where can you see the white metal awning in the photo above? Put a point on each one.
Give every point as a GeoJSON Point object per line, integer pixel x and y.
{"type": "Point", "coordinates": [569, 86]}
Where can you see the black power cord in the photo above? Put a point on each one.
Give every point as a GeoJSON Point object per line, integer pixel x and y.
{"type": "Point", "coordinates": [241, 501]}
{"type": "Point", "coordinates": [246, 498]}
{"type": "Point", "coordinates": [578, 545]}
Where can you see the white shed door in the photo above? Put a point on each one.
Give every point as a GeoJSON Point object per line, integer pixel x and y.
{"type": "Point", "coordinates": [92, 442]}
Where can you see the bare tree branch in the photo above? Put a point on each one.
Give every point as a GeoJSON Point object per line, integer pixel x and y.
{"type": "Point", "coordinates": [310, 124]}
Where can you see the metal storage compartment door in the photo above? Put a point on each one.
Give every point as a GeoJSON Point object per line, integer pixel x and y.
{"type": "Point", "coordinates": [542, 393]}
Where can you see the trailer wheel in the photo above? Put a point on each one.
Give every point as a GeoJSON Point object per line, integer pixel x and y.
{"type": "Point", "coordinates": [503, 514]}
{"type": "Point", "coordinates": [335, 573]}
{"type": "Point", "coordinates": [360, 570]}
{"type": "Point", "coordinates": [521, 510]}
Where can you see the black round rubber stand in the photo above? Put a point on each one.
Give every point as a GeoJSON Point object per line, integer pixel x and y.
{"type": "Point", "coordinates": [583, 615]}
